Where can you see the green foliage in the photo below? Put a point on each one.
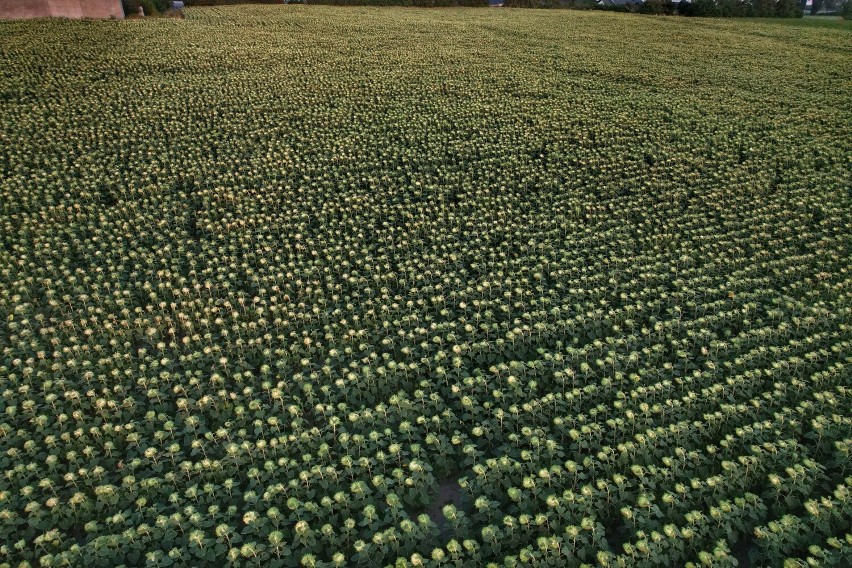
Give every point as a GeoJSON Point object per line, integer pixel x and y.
{"type": "Point", "coordinates": [741, 8]}
{"type": "Point", "coordinates": [229, 2]}
{"type": "Point", "coordinates": [310, 286]}
{"type": "Point", "coordinates": [702, 8]}
{"type": "Point", "coordinates": [788, 9]}
{"type": "Point", "coordinates": [151, 7]}
{"type": "Point", "coordinates": [657, 7]}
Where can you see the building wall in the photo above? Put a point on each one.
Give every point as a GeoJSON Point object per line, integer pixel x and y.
{"type": "Point", "coordinates": [24, 9]}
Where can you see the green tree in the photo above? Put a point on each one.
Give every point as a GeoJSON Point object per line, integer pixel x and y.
{"type": "Point", "coordinates": [787, 9]}
{"type": "Point", "coordinates": [763, 8]}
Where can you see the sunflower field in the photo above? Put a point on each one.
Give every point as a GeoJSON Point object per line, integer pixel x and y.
{"type": "Point", "coordinates": [315, 286]}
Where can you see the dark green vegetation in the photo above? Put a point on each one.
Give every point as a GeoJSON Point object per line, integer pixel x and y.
{"type": "Point", "coordinates": [278, 284]}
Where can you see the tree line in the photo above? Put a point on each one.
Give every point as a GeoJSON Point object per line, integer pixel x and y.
{"type": "Point", "coordinates": [697, 8]}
